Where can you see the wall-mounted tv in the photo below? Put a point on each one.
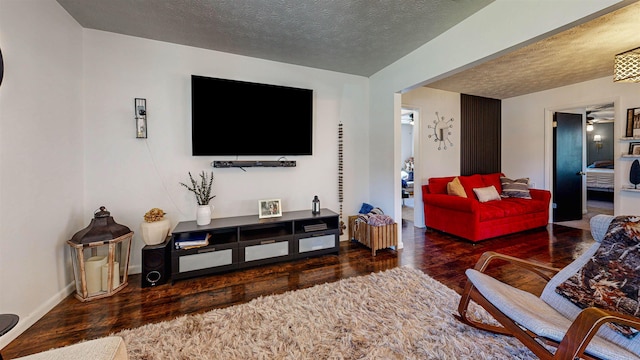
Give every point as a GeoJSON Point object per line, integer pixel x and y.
{"type": "Point", "coordinates": [232, 117]}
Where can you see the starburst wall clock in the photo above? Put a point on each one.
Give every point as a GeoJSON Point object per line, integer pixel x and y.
{"type": "Point", "coordinates": [441, 131]}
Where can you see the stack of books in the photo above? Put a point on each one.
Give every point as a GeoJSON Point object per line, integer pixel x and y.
{"type": "Point", "coordinates": [193, 241]}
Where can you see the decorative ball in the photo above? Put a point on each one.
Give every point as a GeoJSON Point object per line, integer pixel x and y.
{"type": "Point", "coordinates": [634, 174]}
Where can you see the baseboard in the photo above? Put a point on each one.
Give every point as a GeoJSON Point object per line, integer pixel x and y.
{"type": "Point", "coordinates": [42, 310]}
{"type": "Point", "coordinates": [37, 314]}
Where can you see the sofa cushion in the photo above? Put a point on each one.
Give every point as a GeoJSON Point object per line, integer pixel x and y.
{"type": "Point", "coordinates": [515, 208]}
{"type": "Point", "coordinates": [493, 179]}
{"type": "Point", "coordinates": [439, 185]}
{"type": "Point", "coordinates": [510, 207]}
{"type": "Point", "coordinates": [454, 187]}
{"type": "Point", "coordinates": [518, 188]}
{"type": "Point", "coordinates": [488, 193]}
{"type": "Point", "coordinates": [471, 182]}
{"type": "Point", "coordinates": [527, 206]}
{"type": "Point", "coordinates": [489, 211]}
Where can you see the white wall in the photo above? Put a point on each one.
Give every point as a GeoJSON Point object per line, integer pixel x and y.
{"type": "Point", "coordinates": [130, 176]}
{"type": "Point", "coordinates": [496, 29]}
{"type": "Point", "coordinates": [41, 171]}
{"type": "Point", "coordinates": [527, 132]}
{"type": "Point", "coordinates": [429, 161]}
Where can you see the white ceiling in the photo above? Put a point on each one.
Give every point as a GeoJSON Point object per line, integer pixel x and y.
{"type": "Point", "coordinates": [361, 37]}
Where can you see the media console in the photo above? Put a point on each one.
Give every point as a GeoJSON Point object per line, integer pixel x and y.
{"type": "Point", "coordinates": [245, 241]}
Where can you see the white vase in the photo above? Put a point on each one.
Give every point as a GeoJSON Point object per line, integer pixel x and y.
{"type": "Point", "coordinates": [154, 233]}
{"type": "Point", "coordinates": [203, 215]}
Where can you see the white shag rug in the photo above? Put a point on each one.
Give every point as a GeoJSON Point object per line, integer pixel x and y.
{"type": "Point", "coordinates": [396, 314]}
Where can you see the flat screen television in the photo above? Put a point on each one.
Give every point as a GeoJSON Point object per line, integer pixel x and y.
{"type": "Point", "coordinates": [232, 117]}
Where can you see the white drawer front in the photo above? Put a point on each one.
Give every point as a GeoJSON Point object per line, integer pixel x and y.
{"type": "Point", "coordinates": [258, 252]}
{"type": "Point", "coordinates": [316, 243]}
{"type": "Point", "coordinates": [206, 260]}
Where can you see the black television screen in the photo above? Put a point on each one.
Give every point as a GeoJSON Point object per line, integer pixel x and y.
{"type": "Point", "coordinates": [232, 117]}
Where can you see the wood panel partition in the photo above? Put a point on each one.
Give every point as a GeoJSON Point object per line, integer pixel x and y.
{"type": "Point", "coordinates": [480, 135]}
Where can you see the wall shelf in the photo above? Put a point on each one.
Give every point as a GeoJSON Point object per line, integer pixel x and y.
{"type": "Point", "coordinates": [630, 188]}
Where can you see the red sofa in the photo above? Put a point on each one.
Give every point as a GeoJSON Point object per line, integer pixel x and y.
{"type": "Point", "coordinates": [470, 219]}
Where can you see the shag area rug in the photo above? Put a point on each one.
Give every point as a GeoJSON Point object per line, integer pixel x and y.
{"type": "Point", "coordinates": [396, 314]}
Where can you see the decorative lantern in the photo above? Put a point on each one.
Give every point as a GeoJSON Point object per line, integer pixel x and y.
{"type": "Point", "coordinates": [100, 254]}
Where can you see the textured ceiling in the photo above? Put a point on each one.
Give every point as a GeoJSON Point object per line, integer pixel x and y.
{"type": "Point", "coordinates": [582, 53]}
{"type": "Point", "coordinates": [352, 36]}
{"type": "Point", "coordinates": [363, 36]}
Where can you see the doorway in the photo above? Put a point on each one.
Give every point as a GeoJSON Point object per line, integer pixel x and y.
{"type": "Point", "coordinates": [597, 171]}
{"type": "Point", "coordinates": [408, 120]}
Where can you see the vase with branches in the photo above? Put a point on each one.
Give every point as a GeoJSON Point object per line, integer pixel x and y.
{"type": "Point", "coordinates": [202, 190]}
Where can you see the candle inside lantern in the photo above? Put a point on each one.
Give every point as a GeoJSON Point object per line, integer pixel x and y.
{"type": "Point", "coordinates": [93, 271]}
{"type": "Point", "coordinates": [105, 276]}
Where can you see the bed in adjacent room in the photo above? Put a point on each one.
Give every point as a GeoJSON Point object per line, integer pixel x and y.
{"type": "Point", "coordinates": [600, 176]}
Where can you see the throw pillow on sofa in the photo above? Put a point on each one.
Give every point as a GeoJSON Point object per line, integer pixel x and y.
{"type": "Point", "coordinates": [455, 188]}
{"type": "Point", "coordinates": [518, 188]}
{"type": "Point", "coordinates": [488, 193]}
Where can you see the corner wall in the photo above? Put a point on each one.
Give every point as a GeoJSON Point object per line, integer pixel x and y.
{"type": "Point", "coordinates": [41, 157]}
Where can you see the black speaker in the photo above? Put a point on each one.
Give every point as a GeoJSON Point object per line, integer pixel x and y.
{"type": "Point", "coordinates": [156, 264]}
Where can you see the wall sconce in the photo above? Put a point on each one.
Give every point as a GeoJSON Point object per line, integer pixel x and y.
{"type": "Point", "coordinates": [140, 108]}
{"type": "Point", "coordinates": [598, 140]}
{"type": "Point", "coordinates": [626, 66]}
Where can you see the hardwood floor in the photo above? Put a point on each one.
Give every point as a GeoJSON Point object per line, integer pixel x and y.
{"type": "Point", "coordinates": [440, 256]}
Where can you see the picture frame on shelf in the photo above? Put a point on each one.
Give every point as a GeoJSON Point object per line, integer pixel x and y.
{"type": "Point", "coordinates": [633, 123]}
{"type": "Point", "coordinates": [269, 208]}
{"type": "Point", "coordinates": [634, 148]}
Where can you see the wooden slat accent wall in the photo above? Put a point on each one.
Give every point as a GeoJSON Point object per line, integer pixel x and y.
{"type": "Point", "coordinates": [480, 135]}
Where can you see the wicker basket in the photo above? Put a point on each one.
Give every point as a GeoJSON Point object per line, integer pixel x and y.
{"type": "Point", "coordinates": [373, 237]}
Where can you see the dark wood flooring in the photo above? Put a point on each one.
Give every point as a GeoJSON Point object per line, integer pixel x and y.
{"type": "Point", "coordinates": [440, 256]}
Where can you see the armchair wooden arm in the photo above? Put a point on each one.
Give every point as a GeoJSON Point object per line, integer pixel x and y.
{"type": "Point", "coordinates": [584, 328]}
{"type": "Point", "coordinates": [545, 272]}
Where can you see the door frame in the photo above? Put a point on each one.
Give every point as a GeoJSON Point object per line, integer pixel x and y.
{"type": "Point", "coordinates": [548, 143]}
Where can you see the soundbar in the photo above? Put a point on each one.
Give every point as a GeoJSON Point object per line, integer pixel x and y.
{"type": "Point", "coordinates": [246, 164]}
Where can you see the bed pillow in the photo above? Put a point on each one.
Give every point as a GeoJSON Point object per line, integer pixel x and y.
{"type": "Point", "coordinates": [518, 188]}
{"type": "Point", "coordinates": [488, 193]}
{"type": "Point", "coordinates": [455, 188]}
